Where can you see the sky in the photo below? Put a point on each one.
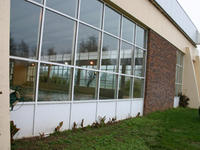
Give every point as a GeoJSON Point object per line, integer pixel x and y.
{"type": "Point", "coordinates": [192, 8]}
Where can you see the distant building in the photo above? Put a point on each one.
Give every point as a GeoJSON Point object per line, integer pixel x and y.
{"type": "Point", "coordinates": [84, 59]}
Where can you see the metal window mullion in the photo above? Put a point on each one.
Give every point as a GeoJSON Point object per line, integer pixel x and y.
{"type": "Point", "coordinates": [133, 68]}
{"type": "Point", "coordinates": [74, 62]}
{"type": "Point", "coordinates": [100, 61]}
{"type": "Point", "coordinates": [119, 58]}
{"type": "Point", "coordinates": [34, 3]}
{"type": "Point", "coordinates": [118, 65]}
{"type": "Point", "coordinates": [75, 49]}
{"type": "Point", "coordinates": [100, 51]}
{"type": "Point", "coordinates": [38, 65]}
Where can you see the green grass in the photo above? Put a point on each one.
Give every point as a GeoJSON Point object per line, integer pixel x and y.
{"type": "Point", "coordinates": [174, 129]}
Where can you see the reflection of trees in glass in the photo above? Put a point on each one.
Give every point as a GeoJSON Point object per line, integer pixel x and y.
{"type": "Point", "coordinates": [138, 85]}
{"type": "Point", "coordinates": [51, 51]}
{"type": "Point", "coordinates": [90, 45]}
{"type": "Point", "coordinates": [21, 49]}
{"type": "Point", "coordinates": [91, 77]}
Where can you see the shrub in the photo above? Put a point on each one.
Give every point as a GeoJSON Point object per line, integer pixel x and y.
{"type": "Point", "coordinates": [13, 130]}
{"type": "Point", "coordinates": [183, 102]}
{"type": "Point", "coordinates": [57, 129]}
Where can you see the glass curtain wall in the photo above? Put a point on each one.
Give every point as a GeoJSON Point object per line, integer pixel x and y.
{"type": "Point", "coordinates": [67, 50]}
{"type": "Point", "coordinates": [179, 73]}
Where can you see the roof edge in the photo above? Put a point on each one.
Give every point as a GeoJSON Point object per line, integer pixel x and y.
{"type": "Point", "coordinates": [159, 7]}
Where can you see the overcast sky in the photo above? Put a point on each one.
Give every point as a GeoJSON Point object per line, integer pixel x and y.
{"type": "Point", "coordinates": [192, 8]}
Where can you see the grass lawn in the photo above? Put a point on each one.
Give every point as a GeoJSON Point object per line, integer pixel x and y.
{"type": "Point", "coordinates": [175, 129]}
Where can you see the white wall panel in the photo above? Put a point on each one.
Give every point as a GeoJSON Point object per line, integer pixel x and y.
{"type": "Point", "coordinates": [22, 115]}
{"type": "Point", "coordinates": [137, 107]}
{"type": "Point", "coordinates": [107, 109]}
{"type": "Point", "coordinates": [48, 116]}
{"type": "Point", "coordinates": [86, 111]}
{"type": "Point", "coordinates": [123, 109]}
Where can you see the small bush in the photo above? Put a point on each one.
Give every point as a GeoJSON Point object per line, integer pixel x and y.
{"type": "Point", "coordinates": [13, 130]}
{"type": "Point", "coordinates": [57, 129]}
{"type": "Point", "coordinates": [82, 123]}
{"type": "Point", "coordinates": [74, 126]}
{"type": "Point", "coordinates": [183, 102]}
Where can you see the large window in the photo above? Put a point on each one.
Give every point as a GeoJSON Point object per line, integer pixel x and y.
{"type": "Point", "coordinates": [63, 50]}
{"type": "Point", "coordinates": [179, 73]}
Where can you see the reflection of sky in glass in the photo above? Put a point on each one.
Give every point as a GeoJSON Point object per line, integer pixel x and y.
{"type": "Point", "coordinates": [91, 13]}
{"type": "Point", "coordinates": [140, 34]}
{"type": "Point", "coordinates": [65, 6]}
{"type": "Point", "coordinates": [128, 30]}
{"type": "Point", "coordinates": [112, 21]}
{"type": "Point", "coordinates": [58, 34]}
{"type": "Point", "coordinates": [39, 1]}
{"type": "Point", "coordinates": [24, 24]}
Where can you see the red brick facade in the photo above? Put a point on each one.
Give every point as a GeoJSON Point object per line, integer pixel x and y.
{"type": "Point", "coordinates": [160, 74]}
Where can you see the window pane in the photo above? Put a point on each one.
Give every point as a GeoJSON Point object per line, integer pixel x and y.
{"type": "Point", "coordinates": [109, 53]}
{"type": "Point", "coordinates": [140, 36]}
{"type": "Point", "coordinates": [22, 79]}
{"type": "Point", "coordinates": [125, 87]}
{"type": "Point", "coordinates": [178, 89]}
{"type": "Point", "coordinates": [176, 74]}
{"type": "Point", "coordinates": [112, 21]}
{"type": "Point", "coordinates": [138, 88]}
{"type": "Point", "coordinates": [126, 55]}
{"type": "Point", "coordinates": [24, 26]}
{"type": "Point", "coordinates": [107, 86]}
{"type": "Point", "coordinates": [128, 30]}
{"type": "Point", "coordinates": [85, 85]}
{"type": "Point", "coordinates": [57, 39]}
{"type": "Point", "coordinates": [54, 83]}
{"type": "Point", "coordinates": [68, 7]}
{"type": "Point", "coordinates": [91, 12]}
{"type": "Point", "coordinates": [139, 62]}
{"type": "Point", "coordinates": [87, 53]}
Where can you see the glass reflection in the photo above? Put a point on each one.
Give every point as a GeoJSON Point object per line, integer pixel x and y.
{"type": "Point", "coordinates": [22, 79]}
{"type": "Point", "coordinates": [107, 86]}
{"type": "Point", "coordinates": [138, 88]}
{"type": "Point", "coordinates": [178, 89]}
{"type": "Point", "coordinates": [39, 1]}
{"type": "Point", "coordinates": [126, 55]}
{"type": "Point", "coordinates": [125, 87]}
{"type": "Point", "coordinates": [139, 62]}
{"type": "Point", "coordinates": [87, 52]}
{"type": "Point", "coordinates": [109, 53]}
{"type": "Point", "coordinates": [57, 38]}
{"type": "Point", "coordinates": [54, 83]}
{"type": "Point", "coordinates": [140, 36]}
{"type": "Point", "coordinates": [91, 12]}
{"type": "Point", "coordinates": [85, 85]}
{"type": "Point", "coordinates": [68, 7]}
{"type": "Point", "coordinates": [24, 27]}
{"type": "Point", "coordinates": [112, 21]}
{"type": "Point", "coordinates": [128, 30]}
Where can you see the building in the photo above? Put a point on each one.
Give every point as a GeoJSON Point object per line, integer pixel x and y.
{"type": "Point", "coordinates": [85, 59]}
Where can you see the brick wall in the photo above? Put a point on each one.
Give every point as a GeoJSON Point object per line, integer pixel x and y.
{"type": "Point", "coordinates": [160, 74]}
